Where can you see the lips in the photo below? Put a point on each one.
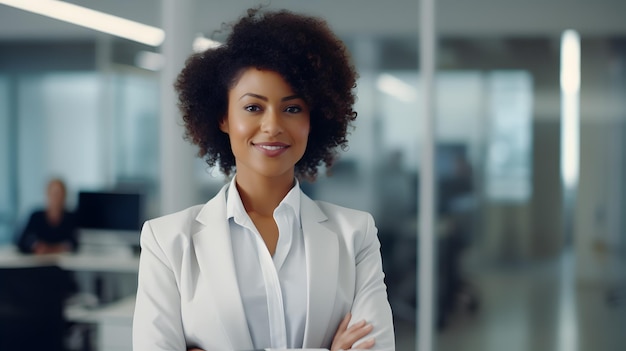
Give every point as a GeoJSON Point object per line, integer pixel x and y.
{"type": "Point", "coordinates": [271, 149]}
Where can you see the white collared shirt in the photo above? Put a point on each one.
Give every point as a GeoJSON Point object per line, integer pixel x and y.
{"type": "Point", "coordinates": [273, 289]}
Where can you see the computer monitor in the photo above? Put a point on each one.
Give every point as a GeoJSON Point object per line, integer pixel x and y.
{"type": "Point", "coordinates": [109, 217]}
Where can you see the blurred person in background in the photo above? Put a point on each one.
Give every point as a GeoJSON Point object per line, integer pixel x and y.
{"type": "Point", "coordinates": [52, 229]}
{"type": "Point", "coordinates": [261, 265]}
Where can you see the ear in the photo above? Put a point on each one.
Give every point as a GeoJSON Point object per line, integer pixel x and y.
{"type": "Point", "coordinates": [224, 124]}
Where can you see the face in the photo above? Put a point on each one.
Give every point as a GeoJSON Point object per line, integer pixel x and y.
{"type": "Point", "coordinates": [267, 123]}
{"type": "Point", "coordinates": [56, 196]}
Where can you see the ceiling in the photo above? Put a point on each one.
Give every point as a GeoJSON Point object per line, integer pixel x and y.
{"type": "Point", "coordinates": [490, 18]}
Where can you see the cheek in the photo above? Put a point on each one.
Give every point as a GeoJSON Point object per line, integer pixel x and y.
{"type": "Point", "coordinates": [238, 129]}
{"type": "Point", "coordinates": [303, 135]}
{"type": "Point", "coordinates": [304, 139]}
{"type": "Point", "coordinates": [305, 128]}
{"type": "Point", "coordinates": [304, 131]}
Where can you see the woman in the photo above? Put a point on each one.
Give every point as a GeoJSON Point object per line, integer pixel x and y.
{"type": "Point", "coordinates": [261, 265]}
{"type": "Point", "coordinates": [53, 229]}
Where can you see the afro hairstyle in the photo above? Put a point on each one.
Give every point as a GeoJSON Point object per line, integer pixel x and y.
{"type": "Point", "coordinates": [304, 51]}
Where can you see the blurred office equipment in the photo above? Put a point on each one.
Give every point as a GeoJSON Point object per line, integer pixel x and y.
{"type": "Point", "coordinates": [114, 211]}
{"type": "Point", "coordinates": [31, 308]}
{"type": "Point", "coordinates": [396, 187]}
{"type": "Point", "coordinates": [110, 219]}
{"type": "Point", "coordinates": [109, 224]}
{"type": "Point", "coordinates": [31, 289]}
{"type": "Point", "coordinates": [456, 200]}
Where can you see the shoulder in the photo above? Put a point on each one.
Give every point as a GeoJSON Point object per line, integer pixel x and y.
{"type": "Point", "coordinates": [337, 212]}
{"type": "Point", "coordinates": [37, 216]}
{"type": "Point", "coordinates": [354, 229]}
{"type": "Point", "coordinates": [175, 230]}
{"type": "Point", "coordinates": [179, 223]}
{"type": "Point", "coordinates": [347, 222]}
{"type": "Point", "coordinates": [38, 213]}
{"type": "Point", "coordinates": [169, 235]}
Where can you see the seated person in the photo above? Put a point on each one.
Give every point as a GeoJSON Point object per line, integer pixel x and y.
{"type": "Point", "coordinates": [53, 229]}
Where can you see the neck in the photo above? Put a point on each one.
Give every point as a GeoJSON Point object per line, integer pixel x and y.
{"type": "Point", "coordinates": [261, 195]}
{"type": "Point", "coordinates": [54, 215]}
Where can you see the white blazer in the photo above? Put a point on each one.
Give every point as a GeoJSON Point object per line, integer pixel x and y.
{"type": "Point", "coordinates": [188, 293]}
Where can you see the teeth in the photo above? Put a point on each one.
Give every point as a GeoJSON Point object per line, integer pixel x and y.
{"type": "Point", "coordinates": [271, 147]}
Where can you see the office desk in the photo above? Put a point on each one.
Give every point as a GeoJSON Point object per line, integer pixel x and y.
{"type": "Point", "coordinates": [108, 274]}
{"type": "Point", "coordinates": [91, 261]}
{"type": "Point", "coordinates": [113, 323]}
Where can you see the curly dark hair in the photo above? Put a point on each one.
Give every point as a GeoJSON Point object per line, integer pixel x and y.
{"type": "Point", "coordinates": [304, 51]}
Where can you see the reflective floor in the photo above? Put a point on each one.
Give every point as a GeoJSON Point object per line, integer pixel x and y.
{"type": "Point", "coordinates": [533, 308]}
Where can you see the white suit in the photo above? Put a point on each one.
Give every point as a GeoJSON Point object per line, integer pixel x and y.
{"type": "Point", "coordinates": [188, 292]}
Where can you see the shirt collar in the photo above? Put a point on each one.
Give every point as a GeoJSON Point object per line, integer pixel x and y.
{"type": "Point", "coordinates": [235, 209]}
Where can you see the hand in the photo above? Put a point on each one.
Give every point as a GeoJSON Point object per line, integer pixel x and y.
{"type": "Point", "coordinates": [41, 248]}
{"type": "Point", "coordinates": [345, 337]}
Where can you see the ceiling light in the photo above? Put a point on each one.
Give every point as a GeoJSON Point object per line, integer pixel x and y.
{"type": "Point", "coordinates": [92, 19]}
{"type": "Point", "coordinates": [201, 43]}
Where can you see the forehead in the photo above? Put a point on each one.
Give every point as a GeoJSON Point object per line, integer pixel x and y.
{"type": "Point", "coordinates": [56, 186]}
{"type": "Point", "coordinates": [256, 80]}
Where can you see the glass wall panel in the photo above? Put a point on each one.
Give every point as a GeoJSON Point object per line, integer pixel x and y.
{"type": "Point", "coordinates": [508, 138]}
{"type": "Point", "coordinates": [136, 136]}
{"type": "Point", "coordinates": [59, 134]}
{"type": "Point", "coordinates": [517, 284]}
{"type": "Point", "coordinates": [63, 130]}
{"type": "Point", "coordinates": [6, 195]}
{"type": "Point", "coordinates": [136, 117]}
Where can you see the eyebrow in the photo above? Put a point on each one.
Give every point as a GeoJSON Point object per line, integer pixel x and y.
{"type": "Point", "coordinates": [261, 97]}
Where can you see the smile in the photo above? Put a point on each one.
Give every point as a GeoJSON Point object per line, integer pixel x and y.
{"type": "Point", "coordinates": [272, 147]}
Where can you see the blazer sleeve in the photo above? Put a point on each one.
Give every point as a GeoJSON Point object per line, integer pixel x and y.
{"type": "Point", "coordinates": [157, 323]}
{"type": "Point", "coordinates": [28, 236]}
{"type": "Point", "coordinates": [370, 301]}
{"type": "Point", "coordinates": [72, 230]}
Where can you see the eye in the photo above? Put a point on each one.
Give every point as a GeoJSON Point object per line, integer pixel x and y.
{"type": "Point", "coordinates": [293, 109]}
{"type": "Point", "coordinates": [252, 108]}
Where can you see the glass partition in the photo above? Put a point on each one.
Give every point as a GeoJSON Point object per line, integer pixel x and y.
{"type": "Point", "coordinates": [64, 128]}
{"type": "Point", "coordinates": [6, 194]}
{"type": "Point", "coordinates": [59, 134]}
{"type": "Point", "coordinates": [516, 283]}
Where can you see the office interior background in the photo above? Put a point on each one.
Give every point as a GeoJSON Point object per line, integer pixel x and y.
{"type": "Point", "coordinates": [525, 260]}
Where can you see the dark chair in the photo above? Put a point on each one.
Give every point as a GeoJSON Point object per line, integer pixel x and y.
{"type": "Point", "coordinates": [31, 308]}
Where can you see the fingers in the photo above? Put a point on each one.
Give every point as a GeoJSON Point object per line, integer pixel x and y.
{"type": "Point", "coordinates": [365, 345]}
{"type": "Point", "coordinates": [357, 331]}
{"type": "Point", "coordinates": [344, 323]}
{"type": "Point", "coordinates": [342, 328]}
{"type": "Point", "coordinates": [346, 337]}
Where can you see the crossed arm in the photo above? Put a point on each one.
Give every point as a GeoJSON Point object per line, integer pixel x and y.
{"type": "Point", "coordinates": [345, 336]}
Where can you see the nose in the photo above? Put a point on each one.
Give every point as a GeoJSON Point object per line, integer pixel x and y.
{"type": "Point", "coordinates": [271, 122]}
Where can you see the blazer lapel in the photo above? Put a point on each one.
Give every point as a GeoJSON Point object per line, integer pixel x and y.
{"type": "Point", "coordinates": [215, 257]}
{"type": "Point", "coordinates": [322, 250]}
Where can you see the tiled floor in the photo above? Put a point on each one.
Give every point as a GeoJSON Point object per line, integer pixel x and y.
{"type": "Point", "coordinates": [532, 308]}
